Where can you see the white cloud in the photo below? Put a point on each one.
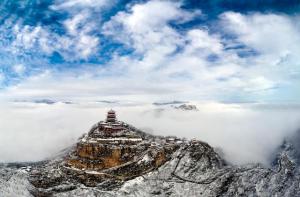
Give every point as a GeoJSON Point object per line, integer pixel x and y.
{"type": "Point", "coordinates": [72, 24]}
{"type": "Point", "coordinates": [150, 34]}
{"type": "Point", "coordinates": [167, 61]}
{"type": "Point", "coordinates": [80, 39]}
{"type": "Point", "coordinates": [164, 52]}
{"type": "Point", "coordinates": [154, 39]}
{"type": "Point", "coordinates": [78, 43]}
{"type": "Point", "coordinates": [259, 30]}
{"type": "Point", "coordinates": [176, 60]}
{"type": "Point", "coordinates": [201, 40]}
{"type": "Point", "coordinates": [29, 37]}
{"type": "Point", "coordinates": [2, 77]}
{"type": "Point", "coordinates": [67, 4]}
{"type": "Point", "coordinates": [146, 28]}
{"type": "Point", "coordinates": [145, 17]}
{"type": "Point", "coordinates": [275, 37]}
{"type": "Point", "coordinates": [19, 69]}
{"type": "Point", "coordinates": [85, 85]}
{"type": "Point", "coordinates": [87, 45]}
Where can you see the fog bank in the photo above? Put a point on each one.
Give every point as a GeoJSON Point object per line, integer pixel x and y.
{"type": "Point", "coordinates": [245, 133]}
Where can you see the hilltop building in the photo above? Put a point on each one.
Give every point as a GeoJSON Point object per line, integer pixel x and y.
{"type": "Point", "coordinates": [114, 147]}
{"type": "Point", "coordinates": [111, 130]}
{"type": "Point", "coordinates": [111, 125]}
{"type": "Point", "coordinates": [109, 143]}
{"type": "Point", "coordinates": [111, 116]}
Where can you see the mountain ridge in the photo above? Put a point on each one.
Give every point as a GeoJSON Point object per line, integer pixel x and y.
{"type": "Point", "coordinates": [152, 166]}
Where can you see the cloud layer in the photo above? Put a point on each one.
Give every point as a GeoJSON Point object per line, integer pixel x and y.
{"type": "Point", "coordinates": [231, 58]}
{"type": "Point", "coordinates": [245, 133]}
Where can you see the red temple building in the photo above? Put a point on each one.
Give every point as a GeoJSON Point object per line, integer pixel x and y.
{"type": "Point", "coordinates": [111, 116]}
{"type": "Point", "coordinates": [111, 125]}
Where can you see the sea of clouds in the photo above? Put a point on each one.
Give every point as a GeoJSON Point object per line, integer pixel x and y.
{"type": "Point", "coordinates": [245, 133]}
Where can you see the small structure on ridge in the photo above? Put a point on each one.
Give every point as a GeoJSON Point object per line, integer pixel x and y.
{"type": "Point", "coordinates": [111, 116]}
{"type": "Point", "coordinates": [110, 126]}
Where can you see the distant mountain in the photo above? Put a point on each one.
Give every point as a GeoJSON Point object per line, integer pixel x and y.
{"type": "Point", "coordinates": [187, 107]}
{"type": "Point", "coordinates": [169, 103]}
{"type": "Point", "coordinates": [43, 101]}
{"type": "Point", "coordinates": [116, 159]}
{"type": "Point", "coordinates": [107, 101]}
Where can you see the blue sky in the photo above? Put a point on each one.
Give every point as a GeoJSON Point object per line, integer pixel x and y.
{"type": "Point", "coordinates": [227, 51]}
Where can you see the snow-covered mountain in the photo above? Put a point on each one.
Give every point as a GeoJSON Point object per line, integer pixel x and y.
{"type": "Point", "coordinates": [130, 162]}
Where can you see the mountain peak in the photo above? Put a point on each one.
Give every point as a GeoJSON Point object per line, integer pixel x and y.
{"type": "Point", "coordinates": [116, 159]}
{"type": "Point", "coordinates": [114, 151]}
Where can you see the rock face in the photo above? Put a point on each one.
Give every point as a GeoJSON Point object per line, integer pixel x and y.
{"type": "Point", "coordinates": [129, 162]}
{"type": "Point", "coordinates": [116, 150]}
{"type": "Point", "coordinates": [110, 153]}
{"type": "Point", "coordinates": [187, 107]}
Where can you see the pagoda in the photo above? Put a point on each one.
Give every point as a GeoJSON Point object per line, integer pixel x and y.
{"type": "Point", "coordinates": [111, 116]}
{"type": "Point", "coordinates": [111, 125]}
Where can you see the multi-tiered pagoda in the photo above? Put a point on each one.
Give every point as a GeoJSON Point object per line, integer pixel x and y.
{"type": "Point", "coordinates": [111, 125]}
{"type": "Point", "coordinates": [111, 116]}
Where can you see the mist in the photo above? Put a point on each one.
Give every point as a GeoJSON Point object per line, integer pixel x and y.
{"type": "Point", "coordinates": [245, 133]}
